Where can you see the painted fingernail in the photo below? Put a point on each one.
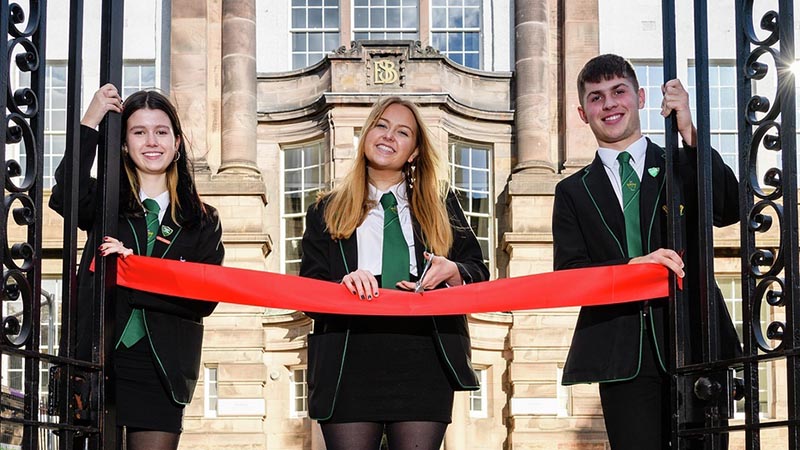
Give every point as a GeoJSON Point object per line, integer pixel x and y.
{"type": "Point", "coordinates": [376, 293]}
{"type": "Point", "coordinates": [362, 296]}
{"type": "Point", "coordinates": [369, 297]}
{"type": "Point", "coordinates": [353, 292]}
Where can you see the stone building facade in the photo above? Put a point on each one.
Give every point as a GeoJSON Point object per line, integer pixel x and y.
{"type": "Point", "coordinates": [272, 94]}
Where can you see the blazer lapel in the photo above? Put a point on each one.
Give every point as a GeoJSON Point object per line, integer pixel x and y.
{"type": "Point", "coordinates": [168, 233]}
{"type": "Point", "coordinates": [598, 188]}
{"type": "Point", "coordinates": [651, 194]}
{"type": "Point", "coordinates": [346, 259]}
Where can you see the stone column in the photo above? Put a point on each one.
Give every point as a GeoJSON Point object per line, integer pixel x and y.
{"type": "Point", "coordinates": [581, 43]}
{"type": "Point", "coordinates": [239, 88]}
{"type": "Point", "coordinates": [532, 64]}
{"type": "Point", "coordinates": [188, 74]}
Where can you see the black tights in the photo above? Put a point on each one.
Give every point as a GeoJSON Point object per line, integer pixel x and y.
{"type": "Point", "coordinates": [367, 435]}
{"type": "Point", "coordinates": [137, 439]}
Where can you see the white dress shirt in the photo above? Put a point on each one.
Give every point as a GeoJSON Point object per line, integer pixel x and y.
{"type": "Point", "coordinates": [637, 150]}
{"type": "Point", "coordinates": [370, 232]}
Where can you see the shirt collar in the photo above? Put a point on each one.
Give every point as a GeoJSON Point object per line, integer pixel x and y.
{"type": "Point", "coordinates": [162, 199]}
{"type": "Point", "coordinates": [400, 191]}
{"type": "Point", "coordinates": [637, 151]}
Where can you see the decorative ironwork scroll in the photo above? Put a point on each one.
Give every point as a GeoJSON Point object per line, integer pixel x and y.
{"type": "Point", "coordinates": [22, 80]}
{"type": "Point", "coordinates": [768, 203]}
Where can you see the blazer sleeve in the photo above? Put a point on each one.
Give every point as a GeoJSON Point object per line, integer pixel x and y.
{"type": "Point", "coordinates": [725, 186]}
{"type": "Point", "coordinates": [210, 251]}
{"type": "Point", "coordinates": [466, 251]}
{"type": "Point", "coordinates": [315, 261]}
{"type": "Point", "coordinates": [87, 186]}
{"type": "Point", "coordinates": [316, 244]}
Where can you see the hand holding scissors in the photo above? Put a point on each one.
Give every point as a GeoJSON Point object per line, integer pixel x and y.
{"type": "Point", "coordinates": [437, 270]}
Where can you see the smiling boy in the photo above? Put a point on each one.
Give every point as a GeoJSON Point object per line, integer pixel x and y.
{"type": "Point", "coordinates": [613, 211]}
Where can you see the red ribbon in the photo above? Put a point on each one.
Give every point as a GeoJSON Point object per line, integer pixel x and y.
{"type": "Point", "coordinates": [603, 285]}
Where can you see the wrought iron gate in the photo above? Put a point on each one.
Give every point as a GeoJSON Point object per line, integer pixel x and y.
{"type": "Point", "coordinates": [75, 411]}
{"type": "Point", "coordinates": [704, 392]}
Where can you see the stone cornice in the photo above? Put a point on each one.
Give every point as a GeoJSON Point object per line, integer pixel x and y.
{"type": "Point", "coordinates": [370, 69]}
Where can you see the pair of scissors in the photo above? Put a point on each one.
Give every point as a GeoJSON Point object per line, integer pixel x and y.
{"type": "Point", "coordinates": [418, 288]}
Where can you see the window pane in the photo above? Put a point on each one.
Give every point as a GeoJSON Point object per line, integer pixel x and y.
{"type": "Point", "coordinates": [331, 18]}
{"type": "Point", "coordinates": [393, 18]}
{"type": "Point", "coordinates": [377, 18]}
{"type": "Point", "coordinates": [331, 41]}
{"type": "Point", "coordinates": [472, 18]}
{"type": "Point", "coordinates": [454, 19]}
{"type": "Point", "coordinates": [314, 18]}
{"type": "Point", "coordinates": [361, 19]}
{"type": "Point", "coordinates": [315, 42]}
{"type": "Point", "coordinates": [306, 173]}
{"type": "Point", "coordinates": [472, 60]}
{"type": "Point", "coordinates": [298, 18]}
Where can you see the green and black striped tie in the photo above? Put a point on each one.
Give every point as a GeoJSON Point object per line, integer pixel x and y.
{"type": "Point", "coordinates": [630, 204]}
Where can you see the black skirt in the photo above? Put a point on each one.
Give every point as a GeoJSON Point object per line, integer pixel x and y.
{"type": "Point", "coordinates": [143, 400]}
{"type": "Point", "coordinates": [393, 372]}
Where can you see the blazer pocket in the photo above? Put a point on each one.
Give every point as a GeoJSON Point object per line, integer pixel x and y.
{"type": "Point", "coordinates": [189, 343]}
{"type": "Point", "coordinates": [326, 357]}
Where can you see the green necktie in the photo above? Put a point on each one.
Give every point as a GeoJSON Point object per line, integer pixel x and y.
{"type": "Point", "coordinates": [630, 204]}
{"type": "Point", "coordinates": [135, 329]}
{"type": "Point", "coordinates": [151, 218]}
{"type": "Point", "coordinates": [395, 248]}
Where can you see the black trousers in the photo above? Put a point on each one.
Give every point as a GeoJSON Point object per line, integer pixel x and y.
{"type": "Point", "coordinates": [637, 412]}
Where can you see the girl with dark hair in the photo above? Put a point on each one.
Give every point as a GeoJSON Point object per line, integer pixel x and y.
{"type": "Point", "coordinates": [158, 339]}
{"type": "Point", "coordinates": [390, 221]}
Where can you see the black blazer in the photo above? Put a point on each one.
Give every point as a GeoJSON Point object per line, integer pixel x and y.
{"type": "Point", "coordinates": [330, 260]}
{"type": "Point", "coordinates": [174, 325]}
{"type": "Point", "coordinates": [589, 230]}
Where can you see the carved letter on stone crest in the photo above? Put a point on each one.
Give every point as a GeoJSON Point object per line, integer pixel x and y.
{"type": "Point", "coordinates": [385, 72]}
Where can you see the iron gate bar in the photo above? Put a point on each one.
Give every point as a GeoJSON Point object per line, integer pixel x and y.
{"type": "Point", "coordinates": [38, 13]}
{"type": "Point", "coordinates": [69, 258]}
{"type": "Point", "coordinates": [745, 135]}
{"type": "Point", "coordinates": [789, 238]}
{"type": "Point", "coordinates": [4, 86]}
{"type": "Point", "coordinates": [108, 207]}
{"type": "Point", "coordinates": [23, 281]}
{"type": "Point", "coordinates": [709, 345]}
{"type": "Point", "coordinates": [755, 205]}
{"type": "Point", "coordinates": [674, 235]}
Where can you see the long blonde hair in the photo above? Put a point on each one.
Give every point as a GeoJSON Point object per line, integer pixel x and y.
{"type": "Point", "coordinates": [348, 203]}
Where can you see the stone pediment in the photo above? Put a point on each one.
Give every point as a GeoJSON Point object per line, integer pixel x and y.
{"type": "Point", "coordinates": [368, 69]}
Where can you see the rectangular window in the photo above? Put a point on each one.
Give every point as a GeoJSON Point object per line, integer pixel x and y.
{"type": "Point", "coordinates": [731, 287]}
{"type": "Point", "coordinates": [211, 393]}
{"type": "Point", "coordinates": [55, 120]}
{"type": "Point", "coordinates": [478, 400]}
{"type": "Point", "coordinates": [385, 19]}
{"type": "Point", "coordinates": [722, 109]}
{"type": "Point", "coordinates": [137, 75]}
{"type": "Point", "coordinates": [49, 334]}
{"type": "Point", "coordinates": [470, 175]}
{"type": "Point", "coordinates": [299, 393]}
{"type": "Point", "coordinates": [456, 29]}
{"type": "Point", "coordinates": [305, 173]}
{"type": "Point", "coordinates": [651, 77]}
{"type": "Point", "coordinates": [315, 30]}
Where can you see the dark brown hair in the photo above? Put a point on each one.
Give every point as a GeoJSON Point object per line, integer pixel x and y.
{"type": "Point", "coordinates": [605, 67]}
{"type": "Point", "coordinates": [187, 208]}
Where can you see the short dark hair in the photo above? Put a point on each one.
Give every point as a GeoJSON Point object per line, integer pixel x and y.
{"type": "Point", "coordinates": [605, 67]}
